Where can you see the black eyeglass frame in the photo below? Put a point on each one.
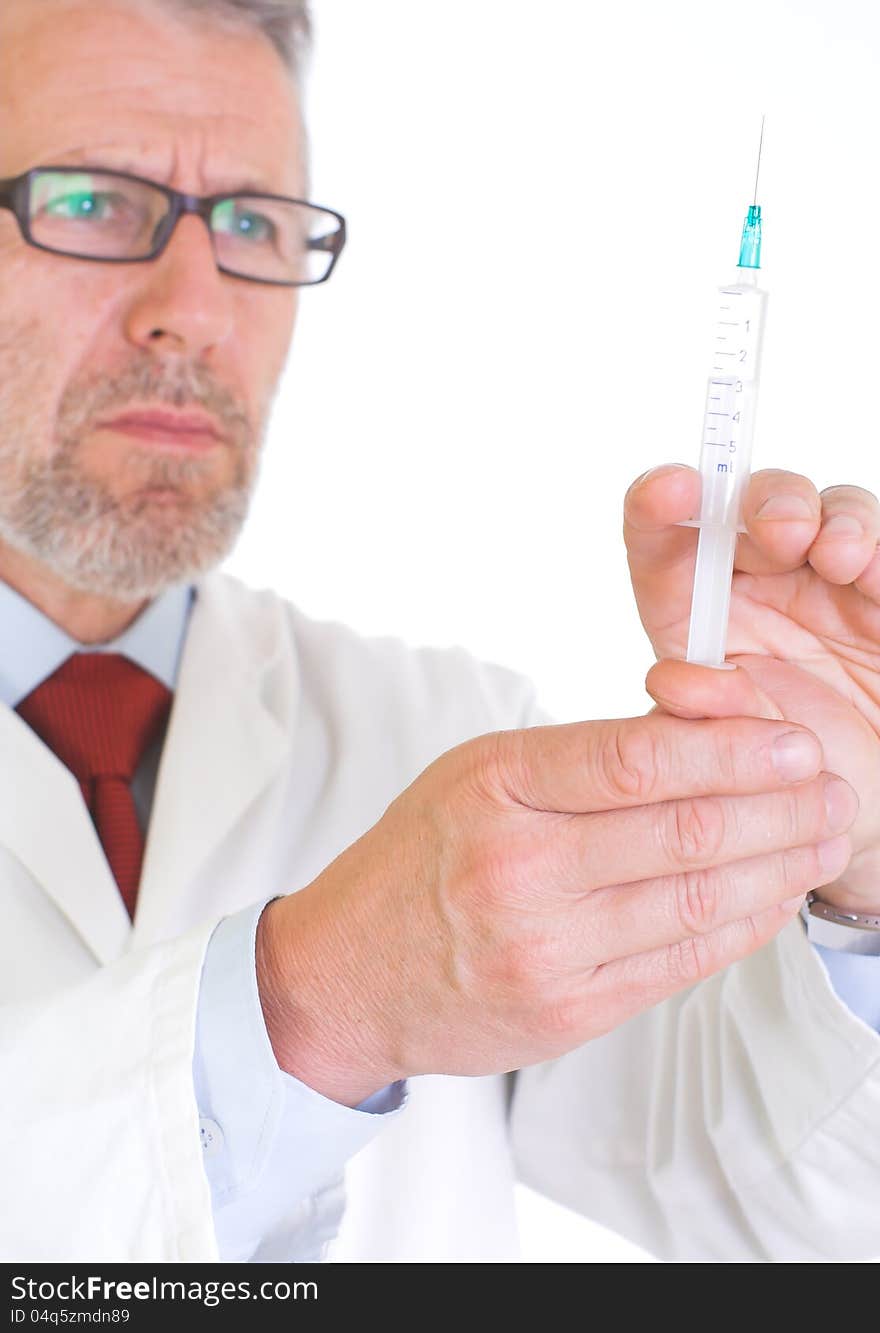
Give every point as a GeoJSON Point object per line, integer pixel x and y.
{"type": "Point", "coordinates": [15, 194]}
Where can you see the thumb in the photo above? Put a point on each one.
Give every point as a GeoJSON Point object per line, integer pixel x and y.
{"type": "Point", "coordinates": [685, 689]}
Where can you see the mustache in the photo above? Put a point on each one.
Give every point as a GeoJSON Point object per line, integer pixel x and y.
{"type": "Point", "coordinates": [181, 387]}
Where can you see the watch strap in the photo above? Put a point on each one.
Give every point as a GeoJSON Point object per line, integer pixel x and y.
{"type": "Point", "coordinates": [840, 917]}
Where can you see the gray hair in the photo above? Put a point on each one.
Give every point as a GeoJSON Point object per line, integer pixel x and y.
{"type": "Point", "coordinates": [287, 23]}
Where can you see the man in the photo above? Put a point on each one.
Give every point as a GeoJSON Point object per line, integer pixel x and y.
{"type": "Point", "coordinates": [456, 888]}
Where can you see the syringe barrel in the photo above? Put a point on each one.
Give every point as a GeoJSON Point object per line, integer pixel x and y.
{"type": "Point", "coordinates": [710, 607]}
{"type": "Point", "coordinates": [725, 458]}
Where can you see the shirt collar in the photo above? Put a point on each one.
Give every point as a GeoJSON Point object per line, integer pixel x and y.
{"type": "Point", "coordinates": [36, 646]}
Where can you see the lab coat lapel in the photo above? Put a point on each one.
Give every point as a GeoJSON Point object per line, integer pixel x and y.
{"type": "Point", "coordinates": [224, 744]}
{"type": "Point", "coordinates": [44, 822]}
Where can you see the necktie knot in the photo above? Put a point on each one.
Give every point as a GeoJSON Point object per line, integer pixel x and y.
{"type": "Point", "coordinates": [99, 712]}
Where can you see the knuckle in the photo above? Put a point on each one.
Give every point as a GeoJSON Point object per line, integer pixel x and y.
{"type": "Point", "coordinates": [697, 830]}
{"type": "Point", "coordinates": [740, 939]}
{"type": "Point", "coordinates": [507, 871]}
{"type": "Point", "coordinates": [797, 870]}
{"type": "Point", "coordinates": [697, 901]}
{"type": "Point", "coordinates": [690, 961]}
{"type": "Point", "coordinates": [630, 761]}
{"type": "Point", "coordinates": [730, 754]}
{"type": "Point", "coordinates": [498, 760]}
{"type": "Point", "coordinates": [803, 812]}
{"type": "Point", "coordinates": [522, 964]}
{"type": "Point", "coordinates": [514, 966]}
{"type": "Point", "coordinates": [695, 959]}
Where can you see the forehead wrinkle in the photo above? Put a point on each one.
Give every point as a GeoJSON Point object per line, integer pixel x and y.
{"type": "Point", "coordinates": [132, 153]}
{"type": "Point", "coordinates": [147, 121]}
{"type": "Point", "coordinates": [122, 157]}
{"type": "Point", "coordinates": [159, 150]}
{"type": "Point", "coordinates": [191, 101]}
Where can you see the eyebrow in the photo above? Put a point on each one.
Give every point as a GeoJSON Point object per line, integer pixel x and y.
{"type": "Point", "coordinates": [223, 184]}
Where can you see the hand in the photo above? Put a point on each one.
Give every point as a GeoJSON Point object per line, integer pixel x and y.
{"type": "Point", "coordinates": [532, 889]}
{"type": "Point", "coordinates": [804, 626]}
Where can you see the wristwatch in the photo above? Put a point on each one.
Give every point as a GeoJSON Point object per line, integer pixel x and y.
{"type": "Point", "coordinates": [827, 912]}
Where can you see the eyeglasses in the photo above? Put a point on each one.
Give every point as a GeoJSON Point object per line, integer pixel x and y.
{"type": "Point", "coordinates": [115, 218]}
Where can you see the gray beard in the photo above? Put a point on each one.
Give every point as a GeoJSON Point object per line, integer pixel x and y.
{"type": "Point", "coordinates": [53, 512]}
{"type": "Point", "coordinates": [77, 529]}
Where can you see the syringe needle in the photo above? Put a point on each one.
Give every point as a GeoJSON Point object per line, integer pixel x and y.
{"type": "Point", "coordinates": [758, 172]}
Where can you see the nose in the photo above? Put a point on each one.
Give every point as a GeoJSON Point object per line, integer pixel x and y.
{"type": "Point", "coordinates": [182, 304]}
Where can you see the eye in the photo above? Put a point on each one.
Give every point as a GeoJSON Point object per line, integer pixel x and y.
{"type": "Point", "coordinates": [243, 223]}
{"type": "Point", "coordinates": [255, 226]}
{"type": "Point", "coordinates": [85, 204]}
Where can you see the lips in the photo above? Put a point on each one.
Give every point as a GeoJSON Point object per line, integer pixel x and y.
{"type": "Point", "coordinates": [185, 425]}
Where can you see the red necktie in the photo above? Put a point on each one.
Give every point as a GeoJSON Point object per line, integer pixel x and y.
{"type": "Point", "coordinates": [99, 712]}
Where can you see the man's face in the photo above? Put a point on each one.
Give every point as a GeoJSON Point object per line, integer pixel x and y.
{"type": "Point", "coordinates": [205, 109]}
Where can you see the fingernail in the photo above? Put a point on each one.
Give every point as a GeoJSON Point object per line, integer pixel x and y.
{"type": "Point", "coordinates": [796, 756]}
{"type": "Point", "coordinates": [655, 472]}
{"type": "Point", "coordinates": [843, 525]}
{"type": "Point", "coordinates": [793, 904]}
{"type": "Point", "coordinates": [639, 481]}
{"type": "Point", "coordinates": [834, 856]}
{"type": "Point", "coordinates": [786, 506]}
{"type": "Point", "coordinates": [841, 804]}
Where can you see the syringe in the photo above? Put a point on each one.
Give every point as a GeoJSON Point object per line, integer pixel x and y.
{"type": "Point", "coordinates": [728, 428]}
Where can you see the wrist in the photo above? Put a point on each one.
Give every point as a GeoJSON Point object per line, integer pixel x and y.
{"type": "Point", "coordinates": [322, 1015]}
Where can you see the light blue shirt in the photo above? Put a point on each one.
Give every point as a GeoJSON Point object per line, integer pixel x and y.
{"type": "Point", "coordinates": [274, 1149]}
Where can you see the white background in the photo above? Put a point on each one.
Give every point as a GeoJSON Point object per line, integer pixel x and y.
{"type": "Point", "coordinates": [542, 198]}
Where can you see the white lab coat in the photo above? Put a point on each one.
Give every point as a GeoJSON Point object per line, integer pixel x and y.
{"type": "Point", "coordinates": [736, 1122]}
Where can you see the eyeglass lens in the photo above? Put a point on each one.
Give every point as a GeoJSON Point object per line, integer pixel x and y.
{"type": "Point", "coordinates": [105, 216]}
